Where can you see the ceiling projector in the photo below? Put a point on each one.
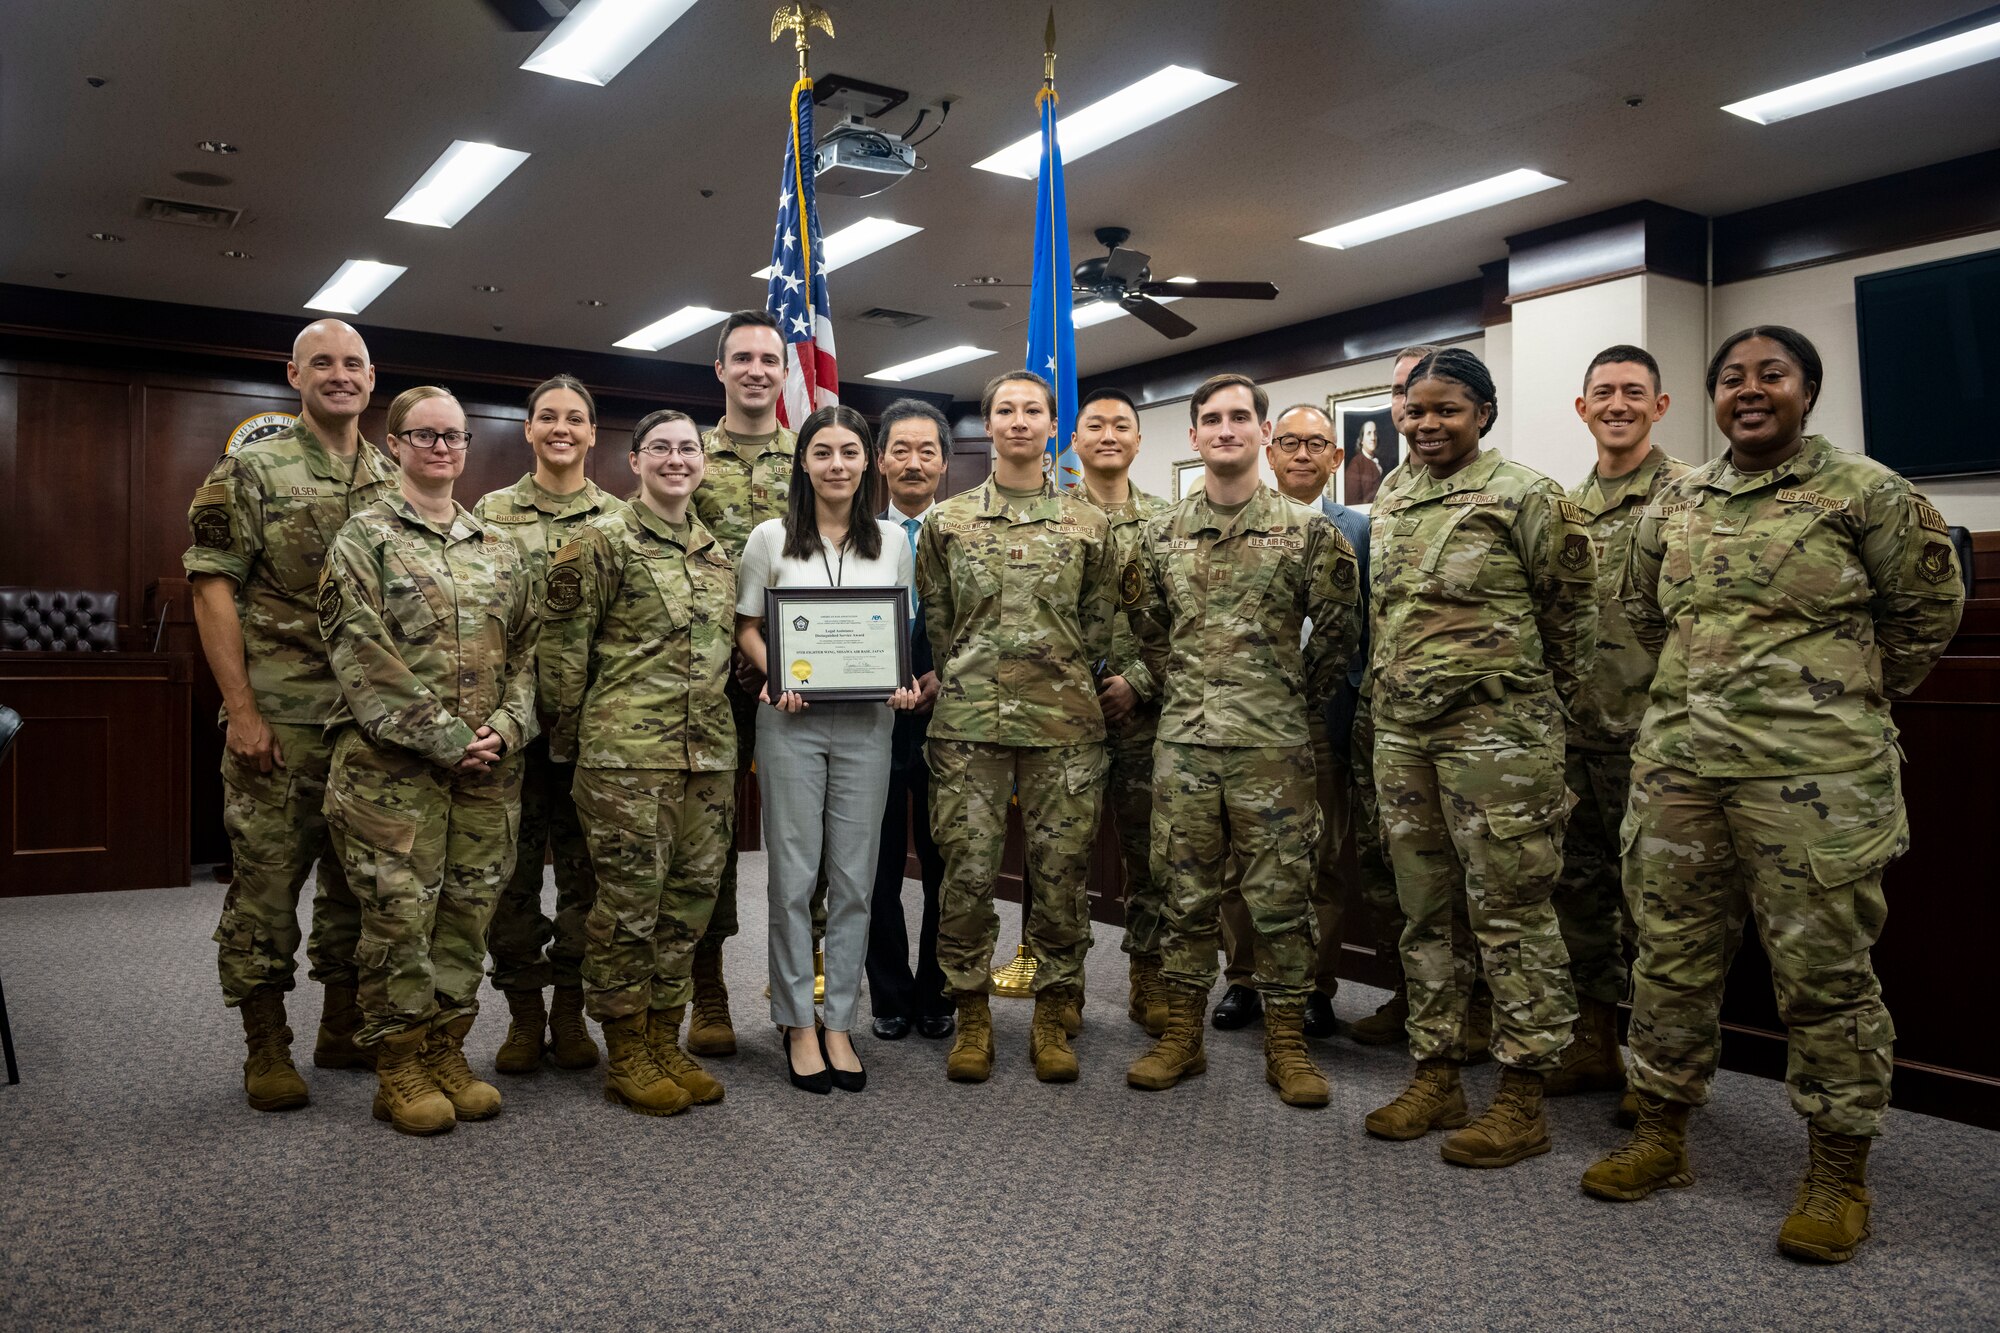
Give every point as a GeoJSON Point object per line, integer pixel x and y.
{"type": "Point", "coordinates": [858, 160]}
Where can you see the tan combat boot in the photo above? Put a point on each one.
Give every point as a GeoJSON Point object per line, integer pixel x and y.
{"type": "Point", "coordinates": [1072, 1011]}
{"type": "Point", "coordinates": [1627, 1114]}
{"type": "Point", "coordinates": [1434, 1100]}
{"type": "Point", "coordinates": [1829, 1219]}
{"type": "Point", "coordinates": [663, 1036]}
{"type": "Point", "coordinates": [971, 1057]}
{"type": "Point", "coordinates": [1591, 1063]}
{"type": "Point", "coordinates": [339, 1019]}
{"type": "Point", "coordinates": [405, 1094]}
{"type": "Point", "coordinates": [1287, 1065]}
{"type": "Point", "coordinates": [570, 1045]}
{"type": "Point", "coordinates": [1179, 1052]}
{"type": "Point", "coordinates": [1479, 1026]}
{"type": "Point", "coordinates": [1655, 1158]}
{"type": "Point", "coordinates": [709, 1031]}
{"type": "Point", "coordinates": [1048, 1039]}
{"type": "Point", "coordinates": [631, 1076]}
{"type": "Point", "coordinates": [1510, 1129]}
{"type": "Point", "coordinates": [444, 1057]}
{"type": "Point", "coordinates": [1388, 1025]}
{"type": "Point", "coordinates": [270, 1082]}
{"type": "Point", "coordinates": [1148, 1005]}
{"type": "Point", "coordinates": [521, 1053]}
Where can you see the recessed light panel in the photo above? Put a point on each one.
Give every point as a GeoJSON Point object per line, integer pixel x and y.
{"type": "Point", "coordinates": [924, 365]}
{"type": "Point", "coordinates": [1873, 76]}
{"type": "Point", "coordinates": [1127, 111]}
{"type": "Point", "coordinates": [683, 323]}
{"type": "Point", "coordinates": [353, 285]}
{"type": "Point", "coordinates": [459, 179]}
{"type": "Point", "coordinates": [854, 242]}
{"type": "Point", "coordinates": [600, 37]}
{"type": "Point", "coordinates": [1439, 207]}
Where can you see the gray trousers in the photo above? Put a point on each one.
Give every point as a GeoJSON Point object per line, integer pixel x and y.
{"type": "Point", "coordinates": [824, 775]}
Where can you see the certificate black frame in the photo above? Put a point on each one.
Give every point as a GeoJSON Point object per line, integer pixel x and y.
{"type": "Point", "coordinates": [775, 618]}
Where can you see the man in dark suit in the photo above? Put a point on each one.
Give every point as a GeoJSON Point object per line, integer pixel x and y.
{"type": "Point", "coordinates": [914, 456]}
{"type": "Point", "coordinates": [1304, 455]}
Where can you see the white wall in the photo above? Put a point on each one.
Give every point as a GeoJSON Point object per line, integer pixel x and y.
{"type": "Point", "coordinates": [1163, 427]}
{"type": "Point", "coordinates": [1819, 302]}
{"type": "Point", "coordinates": [1679, 337]}
{"type": "Point", "coordinates": [1556, 336]}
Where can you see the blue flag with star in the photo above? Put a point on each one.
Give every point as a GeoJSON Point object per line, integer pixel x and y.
{"type": "Point", "coordinates": [1051, 334]}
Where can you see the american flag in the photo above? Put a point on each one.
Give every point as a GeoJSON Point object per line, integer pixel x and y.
{"type": "Point", "coordinates": [797, 297]}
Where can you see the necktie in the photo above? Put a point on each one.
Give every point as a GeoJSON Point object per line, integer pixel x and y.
{"type": "Point", "coordinates": [910, 526]}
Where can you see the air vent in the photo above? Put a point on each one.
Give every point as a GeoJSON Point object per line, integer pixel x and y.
{"type": "Point", "coordinates": [891, 319]}
{"type": "Point", "coordinates": [188, 215]}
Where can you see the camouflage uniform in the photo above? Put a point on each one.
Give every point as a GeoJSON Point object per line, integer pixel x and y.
{"type": "Point", "coordinates": [431, 637]}
{"type": "Point", "coordinates": [1483, 613]}
{"type": "Point", "coordinates": [1219, 602]}
{"type": "Point", "coordinates": [1018, 598]}
{"type": "Point", "coordinates": [539, 522]}
{"type": "Point", "coordinates": [1590, 897]}
{"type": "Point", "coordinates": [1376, 879]}
{"type": "Point", "coordinates": [1129, 745]}
{"type": "Point", "coordinates": [1788, 607]}
{"type": "Point", "coordinates": [745, 484]}
{"type": "Point", "coordinates": [638, 619]}
{"type": "Point", "coordinates": [263, 520]}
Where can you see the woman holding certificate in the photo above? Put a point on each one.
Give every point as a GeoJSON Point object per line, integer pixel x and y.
{"type": "Point", "coordinates": [823, 766]}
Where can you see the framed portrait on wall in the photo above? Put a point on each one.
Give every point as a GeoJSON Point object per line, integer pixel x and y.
{"type": "Point", "coordinates": [1188, 476]}
{"type": "Point", "coordinates": [1369, 444]}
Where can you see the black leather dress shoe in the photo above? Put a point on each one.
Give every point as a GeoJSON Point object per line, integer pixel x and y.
{"type": "Point", "coordinates": [1241, 1006]}
{"type": "Point", "coordinates": [937, 1026]}
{"type": "Point", "coordinates": [894, 1028]}
{"type": "Point", "coordinates": [1320, 1021]}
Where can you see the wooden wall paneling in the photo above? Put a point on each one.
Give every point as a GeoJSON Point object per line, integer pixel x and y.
{"type": "Point", "coordinates": [70, 487]}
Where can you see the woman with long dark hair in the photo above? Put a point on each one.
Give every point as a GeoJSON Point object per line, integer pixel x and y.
{"type": "Point", "coordinates": [1790, 590]}
{"type": "Point", "coordinates": [823, 768]}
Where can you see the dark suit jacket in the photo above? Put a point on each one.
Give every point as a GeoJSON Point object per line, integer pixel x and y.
{"type": "Point", "coordinates": [907, 742]}
{"type": "Point", "coordinates": [1340, 709]}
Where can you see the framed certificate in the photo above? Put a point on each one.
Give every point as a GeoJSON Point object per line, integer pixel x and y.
{"type": "Point", "coordinates": [837, 643]}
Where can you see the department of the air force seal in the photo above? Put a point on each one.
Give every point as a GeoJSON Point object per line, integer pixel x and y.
{"type": "Point", "coordinates": [260, 427]}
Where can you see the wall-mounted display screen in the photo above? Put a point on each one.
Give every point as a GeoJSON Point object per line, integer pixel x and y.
{"type": "Point", "coordinates": [1930, 365]}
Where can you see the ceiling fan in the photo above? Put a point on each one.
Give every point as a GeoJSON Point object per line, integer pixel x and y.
{"type": "Point", "coordinates": [1125, 278]}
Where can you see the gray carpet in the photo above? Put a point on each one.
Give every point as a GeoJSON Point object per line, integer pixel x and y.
{"type": "Point", "coordinates": [137, 1190]}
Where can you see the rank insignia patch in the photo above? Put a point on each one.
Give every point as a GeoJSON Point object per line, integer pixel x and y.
{"type": "Point", "coordinates": [565, 588]}
{"type": "Point", "coordinates": [211, 527]}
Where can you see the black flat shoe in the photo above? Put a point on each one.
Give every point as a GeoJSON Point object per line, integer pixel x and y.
{"type": "Point", "coordinates": [1240, 1007]}
{"type": "Point", "coordinates": [936, 1026]}
{"type": "Point", "coordinates": [1320, 1021]}
{"type": "Point", "coordinates": [843, 1080]}
{"type": "Point", "coordinates": [892, 1029]}
{"type": "Point", "coordinates": [821, 1083]}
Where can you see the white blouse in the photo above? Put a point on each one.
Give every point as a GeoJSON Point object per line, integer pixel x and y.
{"type": "Point", "coordinates": [764, 565]}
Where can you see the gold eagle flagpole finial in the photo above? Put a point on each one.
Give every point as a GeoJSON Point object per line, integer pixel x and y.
{"type": "Point", "coordinates": [801, 17]}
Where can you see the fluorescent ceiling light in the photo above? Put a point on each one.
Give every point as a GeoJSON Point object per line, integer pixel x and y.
{"type": "Point", "coordinates": [1184, 278]}
{"type": "Point", "coordinates": [1103, 312]}
{"type": "Point", "coordinates": [848, 244]}
{"type": "Point", "coordinates": [1873, 76]}
{"type": "Point", "coordinates": [1451, 204]}
{"type": "Point", "coordinates": [1127, 111]}
{"type": "Point", "coordinates": [924, 365]}
{"type": "Point", "coordinates": [353, 285]}
{"type": "Point", "coordinates": [683, 323]}
{"type": "Point", "coordinates": [600, 37]}
{"type": "Point", "coordinates": [459, 179]}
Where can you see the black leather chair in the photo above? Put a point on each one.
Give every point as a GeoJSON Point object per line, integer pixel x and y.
{"type": "Point", "coordinates": [10, 726]}
{"type": "Point", "coordinates": [58, 621]}
{"type": "Point", "coordinates": [1961, 540]}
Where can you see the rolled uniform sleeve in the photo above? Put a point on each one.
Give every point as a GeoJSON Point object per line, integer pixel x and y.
{"type": "Point", "coordinates": [583, 577]}
{"type": "Point", "coordinates": [389, 703]}
{"type": "Point", "coordinates": [226, 520]}
{"type": "Point", "coordinates": [1919, 593]}
{"type": "Point", "coordinates": [1552, 540]}
{"type": "Point", "coordinates": [1333, 603]}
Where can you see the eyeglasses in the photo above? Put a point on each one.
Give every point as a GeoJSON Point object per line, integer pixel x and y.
{"type": "Point", "coordinates": [1291, 444]}
{"type": "Point", "coordinates": [661, 449]}
{"type": "Point", "coordinates": [426, 438]}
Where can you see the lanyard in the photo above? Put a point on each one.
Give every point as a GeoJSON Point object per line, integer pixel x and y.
{"type": "Point", "coordinates": [832, 578]}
